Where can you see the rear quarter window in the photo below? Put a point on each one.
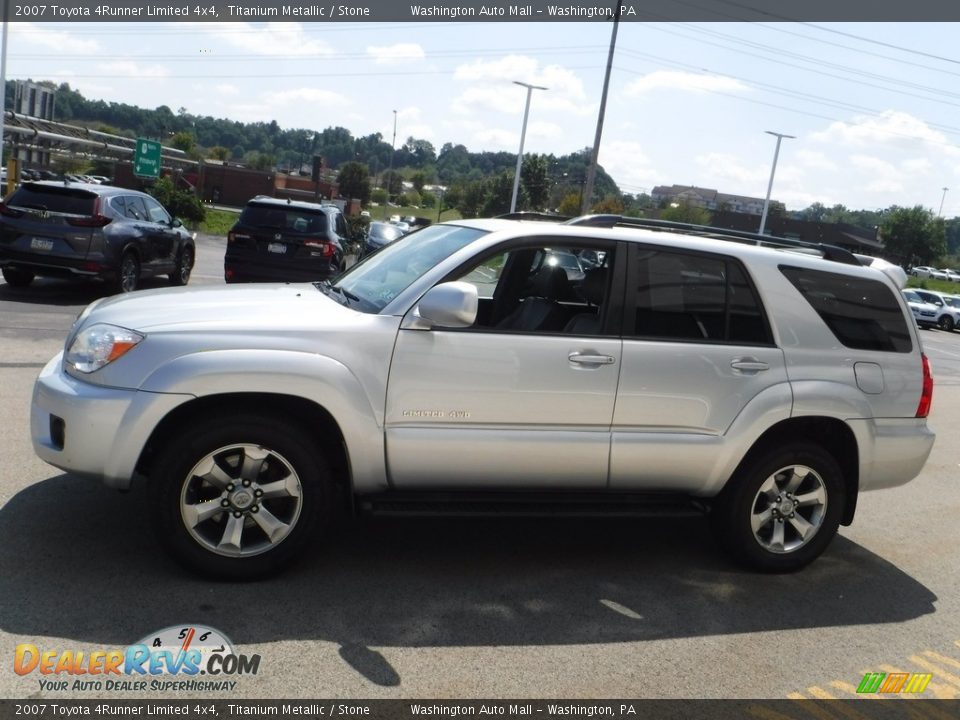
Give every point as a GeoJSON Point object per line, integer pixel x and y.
{"type": "Point", "coordinates": [863, 314]}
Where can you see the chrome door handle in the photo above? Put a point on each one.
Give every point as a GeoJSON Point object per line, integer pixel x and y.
{"type": "Point", "coordinates": [749, 364]}
{"type": "Point", "coordinates": [586, 359]}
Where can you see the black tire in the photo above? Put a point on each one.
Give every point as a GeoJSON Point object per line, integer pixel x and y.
{"type": "Point", "coordinates": [128, 273]}
{"type": "Point", "coordinates": [945, 323]}
{"type": "Point", "coordinates": [16, 277]}
{"type": "Point", "coordinates": [181, 275]}
{"type": "Point", "coordinates": [741, 502]}
{"type": "Point", "coordinates": [292, 458]}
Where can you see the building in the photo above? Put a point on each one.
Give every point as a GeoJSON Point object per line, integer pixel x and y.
{"type": "Point", "coordinates": [706, 198]}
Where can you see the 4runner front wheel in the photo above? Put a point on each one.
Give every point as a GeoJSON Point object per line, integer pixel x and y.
{"type": "Point", "coordinates": [782, 510]}
{"type": "Point", "coordinates": [240, 497]}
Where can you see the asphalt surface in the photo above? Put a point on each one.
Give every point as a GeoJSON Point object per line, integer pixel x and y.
{"type": "Point", "coordinates": [490, 608]}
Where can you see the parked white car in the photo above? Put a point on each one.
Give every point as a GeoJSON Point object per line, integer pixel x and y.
{"type": "Point", "coordinates": [948, 316]}
{"type": "Point", "coordinates": [923, 312]}
{"type": "Point", "coordinates": [924, 271]}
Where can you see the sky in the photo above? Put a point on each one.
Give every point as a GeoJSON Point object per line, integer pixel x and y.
{"type": "Point", "coordinates": [872, 105]}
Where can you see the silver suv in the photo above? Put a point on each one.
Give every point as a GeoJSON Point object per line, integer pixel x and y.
{"type": "Point", "coordinates": [463, 369]}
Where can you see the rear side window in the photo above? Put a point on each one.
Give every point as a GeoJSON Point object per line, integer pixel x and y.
{"type": "Point", "coordinates": [288, 219]}
{"type": "Point", "coordinates": [863, 314]}
{"type": "Point", "coordinates": [53, 199]}
{"type": "Point", "coordinates": [682, 296]}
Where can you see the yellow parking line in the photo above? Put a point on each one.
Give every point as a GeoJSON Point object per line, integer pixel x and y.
{"type": "Point", "coordinates": [942, 658]}
{"type": "Point", "coordinates": [938, 672]}
{"type": "Point", "coordinates": [940, 691]}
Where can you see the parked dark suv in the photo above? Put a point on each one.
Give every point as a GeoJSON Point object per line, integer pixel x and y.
{"type": "Point", "coordinates": [285, 241]}
{"type": "Point", "coordinates": [84, 230]}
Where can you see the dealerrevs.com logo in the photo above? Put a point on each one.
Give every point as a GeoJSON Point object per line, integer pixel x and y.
{"type": "Point", "coordinates": [187, 657]}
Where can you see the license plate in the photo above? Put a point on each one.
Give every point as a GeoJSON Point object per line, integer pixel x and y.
{"type": "Point", "coordinates": [41, 244]}
{"type": "Point", "coordinates": [276, 248]}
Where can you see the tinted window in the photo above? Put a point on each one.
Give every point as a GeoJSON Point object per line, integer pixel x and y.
{"type": "Point", "coordinates": [693, 297]}
{"type": "Point", "coordinates": [134, 207]}
{"type": "Point", "coordinates": [54, 199]}
{"type": "Point", "coordinates": [155, 211]}
{"type": "Point", "coordinates": [863, 314]}
{"type": "Point", "coordinates": [289, 219]}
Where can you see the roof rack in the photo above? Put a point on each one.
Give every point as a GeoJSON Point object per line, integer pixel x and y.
{"type": "Point", "coordinates": [828, 252]}
{"type": "Point", "coordinates": [532, 215]}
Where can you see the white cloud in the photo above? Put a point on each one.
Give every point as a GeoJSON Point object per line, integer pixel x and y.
{"type": "Point", "coordinates": [490, 87]}
{"type": "Point", "coordinates": [728, 171]}
{"type": "Point", "coordinates": [59, 40]}
{"type": "Point", "coordinates": [269, 39]}
{"type": "Point", "coordinates": [629, 165]}
{"type": "Point", "coordinates": [227, 89]}
{"type": "Point", "coordinates": [396, 54]}
{"type": "Point", "coordinates": [815, 160]}
{"type": "Point", "coordinates": [684, 81]}
{"type": "Point", "coordinates": [128, 68]}
{"type": "Point", "coordinates": [306, 95]}
{"type": "Point", "coordinates": [878, 175]}
{"type": "Point", "coordinates": [891, 127]}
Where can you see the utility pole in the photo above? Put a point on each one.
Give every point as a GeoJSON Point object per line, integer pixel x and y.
{"type": "Point", "coordinates": [3, 86]}
{"type": "Point", "coordinates": [776, 153]}
{"type": "Point", "coordinates": [587, 193]}
{"type": "Point", "coordinates": [942, 198]}
{"type": "Point", "coordinates": [523, 135]}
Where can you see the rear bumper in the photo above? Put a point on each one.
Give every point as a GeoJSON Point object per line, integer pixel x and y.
{"type": "Point", "coordinates": [55, 266]}
{"type": "Point", "coordinates": [893, 451]}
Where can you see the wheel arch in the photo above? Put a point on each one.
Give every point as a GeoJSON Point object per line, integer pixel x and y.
{"type": "Point", "coordinates": [315, 419]}
{"type": "Point", "coordinates": [833, 435]}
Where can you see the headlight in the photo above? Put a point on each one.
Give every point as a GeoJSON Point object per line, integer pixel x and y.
{"type": "Point", "coordinates": [99, 345]}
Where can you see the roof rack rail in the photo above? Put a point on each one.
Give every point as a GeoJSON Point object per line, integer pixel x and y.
{"type": "Point", "coordinates": [829, 252]}
{"type": "Point", "coordinates": [533, 215]}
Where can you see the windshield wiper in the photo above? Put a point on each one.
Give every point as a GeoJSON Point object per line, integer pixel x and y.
{"type": "Point", "coordinates": [326, 288]}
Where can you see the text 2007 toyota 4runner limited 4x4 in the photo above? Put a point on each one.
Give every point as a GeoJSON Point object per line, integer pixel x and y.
{"type": "Point", "coordinates": [500, 363]}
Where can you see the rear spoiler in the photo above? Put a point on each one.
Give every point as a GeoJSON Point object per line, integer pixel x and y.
{"type": "Point", "coordinates": [894, 272]}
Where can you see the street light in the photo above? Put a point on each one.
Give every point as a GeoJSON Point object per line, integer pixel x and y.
{"type": "Point", "coordinates": [942, 198]}
{"type": "Point", "coordinates": [523, 135]}
{"type": "Point", "coordinates": [393, 145]}
{"type": "Point", "coordinates": [766, 203]}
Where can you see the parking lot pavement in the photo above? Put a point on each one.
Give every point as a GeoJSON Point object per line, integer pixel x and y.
{"type": "Point", "coordinates": [486, 607]}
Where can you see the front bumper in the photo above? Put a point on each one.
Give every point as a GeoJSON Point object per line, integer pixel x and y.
{"type": "Point", "coordinates": [90, 430]}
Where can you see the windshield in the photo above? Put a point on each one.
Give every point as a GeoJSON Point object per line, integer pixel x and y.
{"type": "Point", "coordinates": [374, 282]}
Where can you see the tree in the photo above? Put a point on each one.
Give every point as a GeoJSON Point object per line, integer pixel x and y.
{"type": "Point", "coordinates": [218, 152]}
{"type": "Point", "coordinates": [570, 204]}
{"type": "Point", "coordinates": [180, 203]}
{"type": "Point", "coordinates": [419, 179]}
{"type": "Point", "coordinates": [535, 183]}
{"type": "Point", "coordinates": [687, 213]}
{"type": "Point", "coordinates": [354, 181]}
{"type": "Point", "coordinates": [609, 205]}
{"type": "Point", "coordinates": [497, 195]}
{"type": "Point", "coordinates": [914, 235]}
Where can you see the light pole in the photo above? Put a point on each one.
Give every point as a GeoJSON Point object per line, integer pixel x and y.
{"type": "Point", "coordinates": [766, 203]}
{"type": "Point", "coordinates": [523, 135]}
{"type": "Point", "coordinates": [942, 198]}
{"type": "Point", "coordinates": [393, 145]}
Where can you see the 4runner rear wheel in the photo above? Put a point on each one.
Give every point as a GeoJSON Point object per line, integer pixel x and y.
{"type": "Point", "coordinates": [782, 510]}
{"type": "Point", "coordinates": [238, 497]}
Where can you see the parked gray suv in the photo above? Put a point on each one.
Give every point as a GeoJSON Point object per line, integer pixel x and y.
{"type": "Point", "coordinates": [463, 369]}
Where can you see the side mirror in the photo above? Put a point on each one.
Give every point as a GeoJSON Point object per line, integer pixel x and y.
{"type": "Point", "coordinates": [176, 223]}
{"type": "Point", "coordinates": [449, 305]}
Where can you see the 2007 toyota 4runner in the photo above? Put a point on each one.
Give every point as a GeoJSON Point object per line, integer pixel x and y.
{"type": "Point", "coordinates": [465, 368]}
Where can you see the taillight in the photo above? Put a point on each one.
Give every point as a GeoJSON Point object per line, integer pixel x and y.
{"type": "Point", "coordinates": [926, 396]}
{"type": "Point", "coordinates": [325, 247]}
{"type": "Point", "coordinates": [234, 236]}
{"type": "Point", "coordinates": [95, 219]}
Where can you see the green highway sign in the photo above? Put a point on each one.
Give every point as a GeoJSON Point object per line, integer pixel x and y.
{"type": "Point", "coordinates": [146, 158]}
